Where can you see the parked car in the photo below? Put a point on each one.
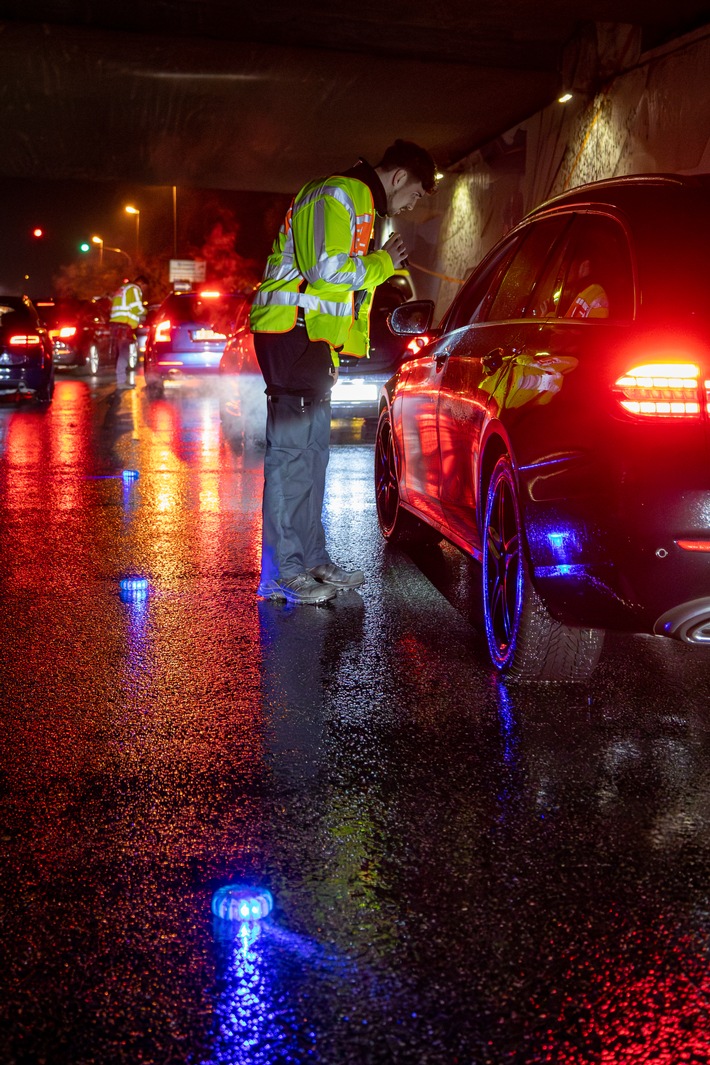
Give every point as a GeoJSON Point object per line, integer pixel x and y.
{"type": "Point", "coordinates": [26, 364]}
{"type": "Point", "coordinates": [356, 392]}
{"type": "Point", "coordinates": [79, 330]}
{"type": "Point", "coordinates": [556, 426]}
{"type": "Point", "coordinates": [188, 336]}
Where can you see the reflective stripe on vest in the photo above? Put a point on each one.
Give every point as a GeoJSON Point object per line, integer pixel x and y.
{"type": "Point", "coordinates": [282, 298]}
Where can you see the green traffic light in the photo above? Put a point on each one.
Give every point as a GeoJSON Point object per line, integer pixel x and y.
{"type": "Point", "coordinates": [84, 247]}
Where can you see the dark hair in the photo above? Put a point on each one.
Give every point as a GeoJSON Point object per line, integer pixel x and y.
{"type": "Point", "coordinates": [140, 280]}
{"type": "Point", "coordinates": [409, 156]}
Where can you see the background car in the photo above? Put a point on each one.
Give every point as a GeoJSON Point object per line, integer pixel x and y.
{"type": "Point", "coordinates": [356, 392]}
{"type": "Point", "coordinates": [242, 399]}
{"type": "Point", "coordinates": [79, 330]}
{"type": "Point", "coordinates": [26, 364]}
{"type": "Point", "coordinates": [556, 427]}
{"type": "Point", "coordinates": [188, 336]}
{"type": "Point", "coordinates": [143, 330]}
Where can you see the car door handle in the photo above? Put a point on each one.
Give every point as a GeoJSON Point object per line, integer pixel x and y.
{"type": "Point", "coordinates": [441, 357]}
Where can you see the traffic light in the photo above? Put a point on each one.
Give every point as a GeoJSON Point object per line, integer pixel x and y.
{"type": "Point", "coordinates": [84, 246]}
{"type": "Point", "coordinates": [38, 232]}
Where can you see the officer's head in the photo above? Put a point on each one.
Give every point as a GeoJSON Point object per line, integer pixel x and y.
{"type": "Point", "coordinates": [407, 173]}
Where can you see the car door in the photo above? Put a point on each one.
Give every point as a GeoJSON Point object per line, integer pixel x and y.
{"type": "Point", "coordinates": [479, 357]}
{"type": "Point", "coordinates": [416, 402]}
{"type": "Point", "coordinates": [414, 418]}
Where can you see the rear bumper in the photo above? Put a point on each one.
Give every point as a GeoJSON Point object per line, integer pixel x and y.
{"type": "Point", "coordinates": [23, 379]}
{"type": "Point", "coordinates": [64, 356]}
{"type": "Point", "coordinates": [616, 563]}
{"type": "Point", "coordinates": [176, 373]}
{"type": "Point", "coordinates": [357, 396]}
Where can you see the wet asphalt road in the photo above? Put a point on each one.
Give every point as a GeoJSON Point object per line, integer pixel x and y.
{"type": "Point", "coordinates": [462, 872]}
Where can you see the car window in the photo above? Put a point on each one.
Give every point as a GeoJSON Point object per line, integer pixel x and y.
{"type": "Point", "coordinates": [598, 279]}
{"type": "Point", "coordinates": [16, 313]}
{"type": "Point", "coordinates": [473, 301]}
{"type": "Point", "coordinates": [518, 282]}
{"type": "Point", "coordinates": [545, 296]}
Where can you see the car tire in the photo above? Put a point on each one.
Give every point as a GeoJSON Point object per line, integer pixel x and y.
{"type": "Point", "coordinates": [524, 641]}
{"type": "Point", "coordinates": [397, 525]}
{"type": "Point", "coordinates": [93, 360]}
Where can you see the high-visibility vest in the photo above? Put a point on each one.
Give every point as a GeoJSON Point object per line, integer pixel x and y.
{"type": "Point", "coordinates": [127, 306]}
{"type": "Point", "coordinates": [592, 302]}
{"type": "Point", "coordinates": [319, 261]}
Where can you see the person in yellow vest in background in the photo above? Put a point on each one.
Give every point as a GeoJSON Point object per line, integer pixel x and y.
{"type": "Point", "coordinates": [591, 300]}
{"type": "Point", "coordinates": [127, 313]}
{"type": "Point", "coordinates": [314, 304]}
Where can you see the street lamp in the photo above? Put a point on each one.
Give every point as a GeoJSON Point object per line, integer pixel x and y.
{"type": "Point", "coordinates": [99, 241]}
{"type": "Point", "coordinates": [129, 209]}
{"type": "Point", "coordinates": [119, 251]}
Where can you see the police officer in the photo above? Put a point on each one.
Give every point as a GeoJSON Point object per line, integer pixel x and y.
{"type": "Point", "coordinates": [312, 305]}
{"type": "Point", "coordinates": [127, 313]}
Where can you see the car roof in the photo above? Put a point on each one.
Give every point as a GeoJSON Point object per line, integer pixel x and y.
{"type": "Point", "coordinates": [624, 192]}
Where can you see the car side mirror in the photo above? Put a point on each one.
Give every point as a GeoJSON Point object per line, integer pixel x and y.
{"type": "Point", "coordinates": [412, 319]}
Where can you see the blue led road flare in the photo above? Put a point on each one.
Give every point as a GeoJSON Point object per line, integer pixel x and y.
{"type": "Point", "coordinates": [135, 586]}
{"type": "Point", "coordinates": [130, 475]}
{"type": "Point", "coordinates": [235, 902]}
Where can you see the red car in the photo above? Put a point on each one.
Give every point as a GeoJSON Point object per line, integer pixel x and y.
{"type": "Point", "coordinates": [555, 426]}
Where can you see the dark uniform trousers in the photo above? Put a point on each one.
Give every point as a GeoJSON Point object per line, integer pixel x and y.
{"type": "Point", "coordinates": [297, 451]}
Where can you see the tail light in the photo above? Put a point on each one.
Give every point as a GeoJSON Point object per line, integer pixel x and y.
{"type": "Point", "coordinates": [694, 545]}
{"type": "Point", "coordinates": [662, 389]}
{"type": "Point", "coordinates": [64, 333]}
{"type": "Point", "coordinates": [24, 340]}
{"type": "Point", "coordinates": [162, 331]}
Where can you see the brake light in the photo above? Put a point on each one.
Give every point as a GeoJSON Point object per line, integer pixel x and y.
{"type": "Point", "coordinates": [210, 294]}
{"type": "Point", "coordinates": [162, 331]}
{"type": "Point", "coordinates": [64, 333]}
{"type": "Point", "coordinates": [661, 389]}
{"type": "Point", "coordinates": [24, 340]}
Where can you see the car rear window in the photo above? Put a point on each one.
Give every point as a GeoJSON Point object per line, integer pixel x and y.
{"type": "Point", "coordinates": [205, 312]}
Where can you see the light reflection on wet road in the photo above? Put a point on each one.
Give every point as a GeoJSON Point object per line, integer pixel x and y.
{"type": "Point", "coordinates": [462, 872]}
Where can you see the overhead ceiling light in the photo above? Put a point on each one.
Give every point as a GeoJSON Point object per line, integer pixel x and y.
{"type": "Point", "coordinates": [564, 98]}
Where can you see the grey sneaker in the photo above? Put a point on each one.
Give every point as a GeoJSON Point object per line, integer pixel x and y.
{"type": "Point", "coordinates": [304, 589]}
{"type": "Point", "coordinates": [338, 577]}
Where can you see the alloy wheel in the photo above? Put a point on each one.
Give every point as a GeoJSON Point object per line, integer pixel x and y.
{"type": "Point", "coordinates": [503, 572]}
{"type": "Point", "coordinates": [386, 487]}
